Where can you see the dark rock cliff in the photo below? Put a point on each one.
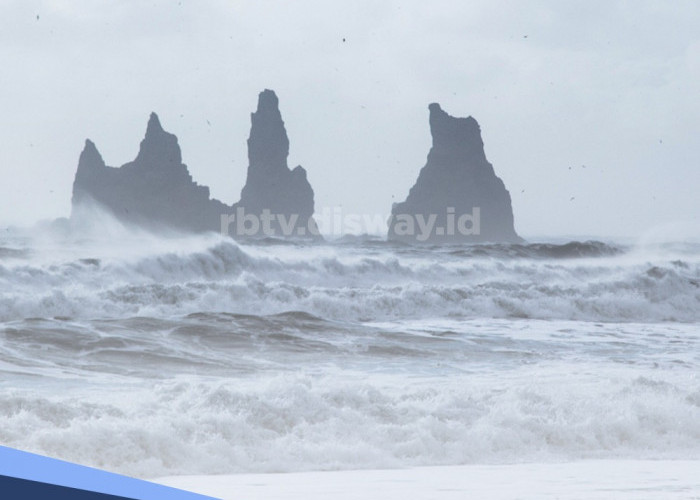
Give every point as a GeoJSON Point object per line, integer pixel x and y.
{"type": "Point", "coordinates": [270, 184]}
{"type": "Point", "coordinates": [457, 198]}
{"type": "Point", "coordinates": [156, 190]}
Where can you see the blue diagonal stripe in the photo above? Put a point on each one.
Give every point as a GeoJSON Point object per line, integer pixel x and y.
{"type": "Point", "coordinates": [31, 467]}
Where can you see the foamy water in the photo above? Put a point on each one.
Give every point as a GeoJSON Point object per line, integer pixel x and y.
{"type": "Point", "coordinates": [158, 356]}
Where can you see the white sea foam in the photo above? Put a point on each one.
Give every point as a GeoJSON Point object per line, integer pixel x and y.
{"type": "Point", "coordinates": [198, 355]}
{"type": "Point", "coordinates": [323, 422]}
{"type": "Point", "coordinates": [585, 479]}
{"type": "Point", "coordinates": [145, 276]}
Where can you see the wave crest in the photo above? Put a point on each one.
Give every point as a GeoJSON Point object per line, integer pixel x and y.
{"type": "Point", "coordinates": [356, 284]}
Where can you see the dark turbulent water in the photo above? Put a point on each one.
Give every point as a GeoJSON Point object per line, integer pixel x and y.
{"type": "Point", "coordinates": [156, 356]}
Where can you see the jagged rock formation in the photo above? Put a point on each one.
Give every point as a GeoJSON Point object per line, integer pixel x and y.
{"type": "Point", "coordinates": [270, 184]}
{"type": "Point", "coordinates": [156, 190]}
{"type": "Point", "coordinates": [457, 198]}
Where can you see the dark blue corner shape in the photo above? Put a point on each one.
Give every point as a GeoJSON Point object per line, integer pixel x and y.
{"type": "Point", "coordinates": [28, 476]}
{"type": "Point", "coordinates": [12, 488]}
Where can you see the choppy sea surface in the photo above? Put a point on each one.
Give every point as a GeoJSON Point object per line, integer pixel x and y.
{"type": "Point", "coordinates": [155, 356]}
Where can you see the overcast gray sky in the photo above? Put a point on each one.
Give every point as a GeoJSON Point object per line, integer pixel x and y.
{"type": "Point", "coordinates": [612, 85]}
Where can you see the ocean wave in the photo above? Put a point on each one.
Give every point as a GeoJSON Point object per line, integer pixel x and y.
{"type": "Point", "coordinates": [307, 422]}
{"type": "Point", "coordinates": [570, 250]}
{"type": "Point", "coordinates": [351, 283]}
{"type": "Point", "coordinates": [13, 253]}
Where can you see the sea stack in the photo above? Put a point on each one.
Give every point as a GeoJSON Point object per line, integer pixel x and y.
{"type": "Point", "coordinates": [272, 190]}
{"type": "Point", "coordinates": [457, 198]}
{"type": "Point", "coordinates": [155, 190]}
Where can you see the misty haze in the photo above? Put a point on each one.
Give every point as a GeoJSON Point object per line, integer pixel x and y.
{"type": "Point", "coordinates": [350, 249]}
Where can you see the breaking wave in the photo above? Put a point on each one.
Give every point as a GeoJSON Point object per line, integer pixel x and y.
{"type": "Point", "coordinates": [307, 422]}
{"type": "Point", "coordinates": [582, 281]}
{"type": "Point", "coordinates": [196, 355]}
